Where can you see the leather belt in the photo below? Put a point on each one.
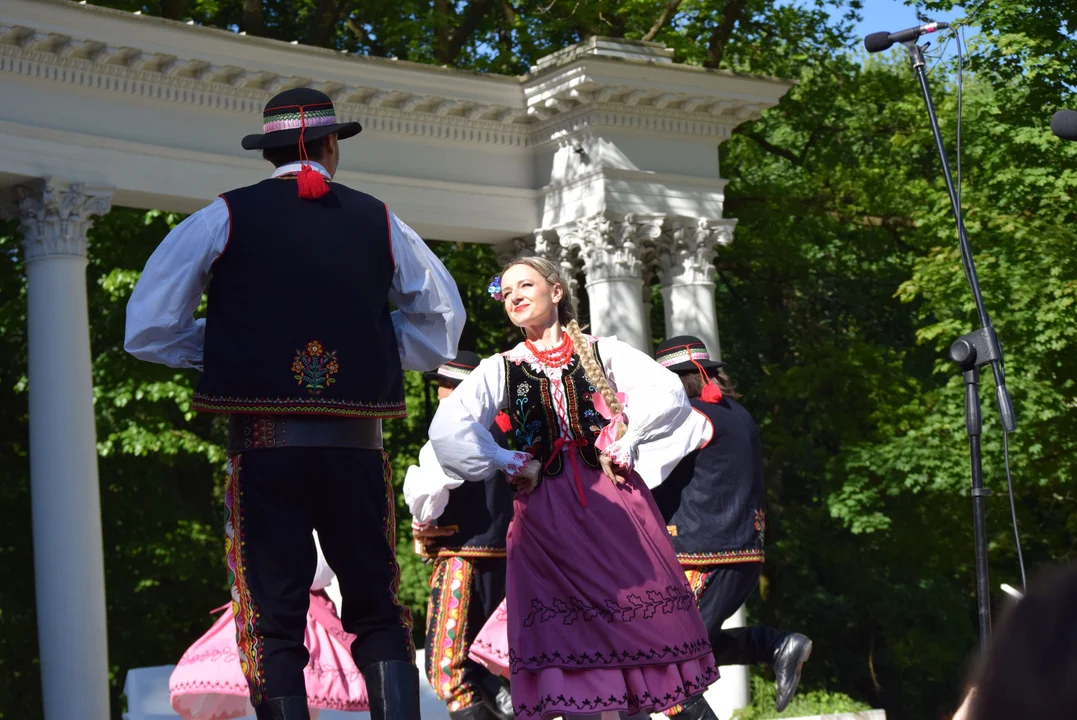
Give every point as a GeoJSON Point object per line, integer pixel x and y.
{"type": "Point", "coordinates": [266, 432]}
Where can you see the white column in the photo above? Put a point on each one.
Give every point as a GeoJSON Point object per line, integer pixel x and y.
{"type": "Point", "coordinates": [686, 272]}
{"type": "Point", "coordinates": [611, 252]}
{"type": "Point", "coordinates": [69, 568]}
{"type": "Point", "coordinates": [733, 689]}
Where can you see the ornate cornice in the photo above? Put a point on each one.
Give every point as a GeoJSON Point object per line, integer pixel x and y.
{"type": "Point", "coordinates": [54, 218]}
{"type": "Point", "coordinates": [546, 110]}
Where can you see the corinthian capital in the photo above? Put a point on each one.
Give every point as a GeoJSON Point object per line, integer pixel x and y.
{"type": "Point", "coordinates": [687, 251]}
{"type": "Point", "coordinates": [54, 218]}
{"type": "Point", "coordinates": [611, 249]}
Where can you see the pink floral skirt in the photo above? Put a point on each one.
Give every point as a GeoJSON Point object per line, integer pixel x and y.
{"type": "Point", "coordinates": [208, 684]}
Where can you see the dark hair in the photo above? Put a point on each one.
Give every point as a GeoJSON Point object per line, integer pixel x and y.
{"type": "Point", "coordinates": [290, 153]}
{"type": "Point", "coordinates": [693, 384]}
{"type": "Point", "coordinates": [1030, 667]}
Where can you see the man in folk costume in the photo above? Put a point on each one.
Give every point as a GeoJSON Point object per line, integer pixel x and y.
{"type": "Point", "coordinates": [713, 505]}
{"type": "Point", "coordinates": [461, 527]}
{"type": "Point", "coordinates": [300, 349]}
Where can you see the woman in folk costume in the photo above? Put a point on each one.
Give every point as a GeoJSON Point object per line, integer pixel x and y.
{"type": "Point", "coordinates": [461, 527]}
{"type": "Point", "coordinates": [601, 617]}
{"type": "Point", "coordinates": [208, 682]}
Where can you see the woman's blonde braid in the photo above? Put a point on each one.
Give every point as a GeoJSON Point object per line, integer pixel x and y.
{"type": "Point", "coordinates": [591, 369]}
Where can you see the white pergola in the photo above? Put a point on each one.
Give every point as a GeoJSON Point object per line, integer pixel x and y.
{"type": "Point", "coordinates": [604, 158]}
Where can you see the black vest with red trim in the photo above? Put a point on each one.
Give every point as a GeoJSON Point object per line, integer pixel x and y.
{"type": "Point", "coordinates": [298, 314]}
{"type": "Point", "coordinates": [534, 420]}
{"type": "Point", "coordinates": [480, 513]}
{"type": "Point", "coordinates": [713, 501]}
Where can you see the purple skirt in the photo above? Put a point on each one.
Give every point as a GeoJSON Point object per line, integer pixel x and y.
{"type": "Point", "coordinates": [600, 615]}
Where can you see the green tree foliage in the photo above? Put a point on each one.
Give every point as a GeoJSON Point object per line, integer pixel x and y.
{"type": "Point", "coordinates": [836, 304]}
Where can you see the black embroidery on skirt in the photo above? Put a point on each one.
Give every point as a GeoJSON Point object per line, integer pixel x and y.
{"type": "Point", "coordinates": [631, 702]}
{"type": "Point", "coordinates": [615, 658]}
{"type": "Point", "coordinates": [573, 609]}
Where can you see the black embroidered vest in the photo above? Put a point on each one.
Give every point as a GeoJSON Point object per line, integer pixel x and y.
{"type": "Point", "coordinates": [713, 500]}
{"type": "Point", "coordinates": [480, 512]}
{"type": "Point", "coordinates": [298, 313]}
{"type": "Point", "coordinates": [534, 418]}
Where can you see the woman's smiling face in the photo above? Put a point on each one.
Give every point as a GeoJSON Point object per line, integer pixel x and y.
{"type": "Point", "coordinates": [530, 301]}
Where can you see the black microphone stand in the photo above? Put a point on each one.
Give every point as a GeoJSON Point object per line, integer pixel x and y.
{"type": "Point", "coordinates": [971, 352]}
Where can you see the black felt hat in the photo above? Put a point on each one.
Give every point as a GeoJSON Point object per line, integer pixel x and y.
{"type": "Point", "coordinates": [685, 354]}
{"type": "Point", "coordinates": [299, 112]}
{"type": "Point", "coordinates": [456, 369]}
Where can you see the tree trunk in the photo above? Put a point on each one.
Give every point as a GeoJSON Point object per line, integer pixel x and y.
{"type": "Point", "coordinates": [253, 24]}
{"type": "Point", "coordinates": [667, 12]}
{"type": "Point", "coordinates": [720, 38]}
{"type": "Point", "coordinates": [323, 22]}
{"type": "Point", "coordinates": [172, 9]}
{"type": "Point", "coordinates": [448, 47]}
{"type": "Point", "coordinates": [442, 29]}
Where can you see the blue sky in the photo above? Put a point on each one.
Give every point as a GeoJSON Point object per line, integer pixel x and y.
{"type": "Point", "coordinates": [894, 15]}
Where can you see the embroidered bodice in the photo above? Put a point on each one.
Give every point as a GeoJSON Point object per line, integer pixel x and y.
{"type": "Point", "coordinates": [551, 409]}
{"type": "Point", "coordinates": [662, 428]}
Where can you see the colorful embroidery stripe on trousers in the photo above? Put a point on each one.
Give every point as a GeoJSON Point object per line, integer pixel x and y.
{"type": "Point", "coordinates": [390, 535]}
{"type": "Point", "coordinates": [447, 634]}
{"type": "Point", "coordinates": [243, 608]}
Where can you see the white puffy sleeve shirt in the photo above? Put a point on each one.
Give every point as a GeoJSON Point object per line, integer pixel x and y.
{"type": "Point", "coordinates": [662, 426]}
{"type": "Point", "coordinates": [161, 327]}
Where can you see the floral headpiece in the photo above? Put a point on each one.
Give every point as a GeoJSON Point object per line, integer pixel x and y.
{"type": "Point", "coordinates": [495, 289]}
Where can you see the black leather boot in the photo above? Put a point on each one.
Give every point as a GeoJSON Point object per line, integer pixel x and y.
{"type": "Point", "coordinates": [292, 707]}
{"type": "Point", "coordinates": [393, 689]}
{"type": "Point", "coordinates": [792, 652]}
{"type": "Point", "coordinates": [478, 711]}
{"type": "Point", "coordinates": [696, 708]}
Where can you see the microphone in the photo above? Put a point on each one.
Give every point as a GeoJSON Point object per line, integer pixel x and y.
{"type": "Point", "coordinates": [1064, 124]}
{"type": "Point", "coordinates": [877, 42]}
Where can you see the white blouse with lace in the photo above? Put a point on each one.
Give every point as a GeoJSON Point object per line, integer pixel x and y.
{"type": "Point", "coordinates": [662, 427]}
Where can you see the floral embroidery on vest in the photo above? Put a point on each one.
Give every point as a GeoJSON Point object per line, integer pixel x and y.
{"type": "Point", "coordinates": [760, 524]}
{"type": "Point", "coordinates": [315, 367]}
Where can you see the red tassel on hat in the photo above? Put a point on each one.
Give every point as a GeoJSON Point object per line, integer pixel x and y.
{"type": "Point", "coordinates": [312, 184]}
{"type": "Point", "coordinates": [711, 393]}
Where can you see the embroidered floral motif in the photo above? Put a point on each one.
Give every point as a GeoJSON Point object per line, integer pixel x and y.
{"type": "Point", "coordinates": [760, 524]}
{"type": "Point", "coordinates": [315, 367]}
{"type": "Point", "coordinates": [523, 388]}
{"type": "Point", "coordinates": [611, 657]}
{"type": "Point", "coordinates": [621, 453]}
{"type": "Point", "coordinates": [635, 606]}
{"type": "Point", "coordinates": [631, 703]}
{"type": "Point", "coordinates": [516, 464]}
{"type": "Point", "coordinates": [528, 435]}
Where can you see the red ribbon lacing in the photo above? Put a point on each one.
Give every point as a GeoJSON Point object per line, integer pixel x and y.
{"type": "Point", "coordinates": [573, 444]}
